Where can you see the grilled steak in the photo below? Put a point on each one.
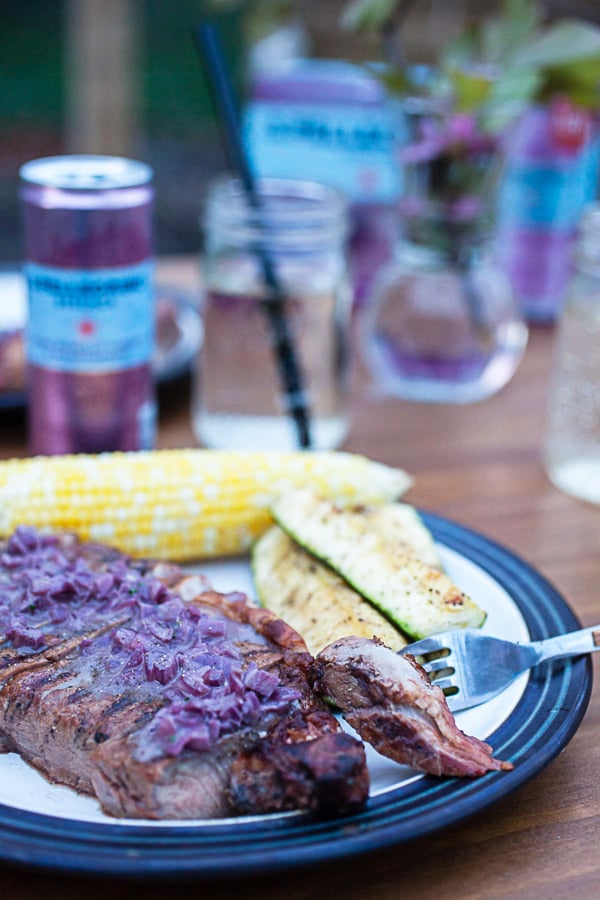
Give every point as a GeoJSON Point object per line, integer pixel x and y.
{"type": "Point", "coordinates": [390, 702]}
{"type": "Point", "coordinates": [144, 687]}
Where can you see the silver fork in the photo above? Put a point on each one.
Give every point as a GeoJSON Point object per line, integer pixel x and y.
{"type": "Point", "coordinates": [472, 667]}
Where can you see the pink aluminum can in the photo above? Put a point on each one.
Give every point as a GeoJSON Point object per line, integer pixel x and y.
{"type": "Point", "coordinates": [87, 224]}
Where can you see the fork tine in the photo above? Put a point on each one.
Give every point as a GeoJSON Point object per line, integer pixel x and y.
{"type": "Point", "coordinates": [424, 646]}
{"type": "Point", "coordinates": [439, 665]}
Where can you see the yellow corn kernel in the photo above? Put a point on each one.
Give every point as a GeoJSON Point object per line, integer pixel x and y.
{"type": "Point", "coordinates": [179, 504]}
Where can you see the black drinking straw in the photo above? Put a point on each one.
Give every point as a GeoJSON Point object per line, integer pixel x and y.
{"type": "Point", "coordinates": [211, 53]}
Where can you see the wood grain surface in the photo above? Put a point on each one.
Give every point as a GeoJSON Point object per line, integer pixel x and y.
{"type": "Point", "coordinates": [480, 465]}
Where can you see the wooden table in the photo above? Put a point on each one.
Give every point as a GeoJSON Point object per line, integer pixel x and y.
{"type": "Point", "coordinates": [479, 465]}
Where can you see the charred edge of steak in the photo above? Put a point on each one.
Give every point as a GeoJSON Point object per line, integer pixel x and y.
{"type": "Point", "coordinates": [306, 762]}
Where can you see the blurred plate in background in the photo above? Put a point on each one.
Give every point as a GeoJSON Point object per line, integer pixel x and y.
{"type": "Point", "coordinates": [178, 333]}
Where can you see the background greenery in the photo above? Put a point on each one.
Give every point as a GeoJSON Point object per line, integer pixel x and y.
{"type": "Point", "coordinates": [179, 138]}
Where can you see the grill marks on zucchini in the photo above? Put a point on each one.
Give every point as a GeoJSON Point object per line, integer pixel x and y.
{"type": "Point", "coordinates": [311, 597]}
{"type": "Point", "coordinates": [386, 555]}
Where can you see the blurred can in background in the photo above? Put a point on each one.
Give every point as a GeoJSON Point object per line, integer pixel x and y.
{"type": "Point", "coordinates": [87, 224]}
{"type": "Point", "coordinates": [552, 165]}
{"type": "Point", "coordinates": [332, 122]}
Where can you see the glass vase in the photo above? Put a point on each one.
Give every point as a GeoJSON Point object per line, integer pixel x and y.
{"type": "Point", "coordinates": [441, 324]}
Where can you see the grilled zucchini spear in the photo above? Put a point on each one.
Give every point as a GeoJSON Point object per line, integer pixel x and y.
{"type": "Point", "coordinates": [311, 597]}
{"type": "Point", "coordinates": [382, 564]}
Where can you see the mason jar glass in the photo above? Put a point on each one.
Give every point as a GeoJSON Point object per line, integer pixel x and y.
{"type": "Point", "coordinates": [571, 447]}
{"type": "Point", "coordinates": [272, 372]}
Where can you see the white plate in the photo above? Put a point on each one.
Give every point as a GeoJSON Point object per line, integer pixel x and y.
{"type": "Point", "coordinates": [51, 828]}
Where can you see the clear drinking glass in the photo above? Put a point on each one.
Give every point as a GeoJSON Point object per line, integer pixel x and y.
{"type": "Point", "coordinates": [572, 435]}
{"type": "Point", "coordinates": [239, 398]}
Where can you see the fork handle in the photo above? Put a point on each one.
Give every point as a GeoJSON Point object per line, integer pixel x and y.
{"type": "Point", "coordinates": [587, 640]}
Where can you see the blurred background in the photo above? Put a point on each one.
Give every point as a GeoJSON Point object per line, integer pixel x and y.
{"type": "Point", "coordinates": [122, 77]}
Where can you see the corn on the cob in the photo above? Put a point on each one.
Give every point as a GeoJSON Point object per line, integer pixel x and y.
{"type": "Point", "coordinates": [179, 504]}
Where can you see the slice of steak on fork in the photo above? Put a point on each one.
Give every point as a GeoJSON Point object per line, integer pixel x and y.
{"type": "Point", "coordinates": [391, 703]}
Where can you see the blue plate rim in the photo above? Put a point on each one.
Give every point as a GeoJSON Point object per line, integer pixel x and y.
{"type": "Point", "coordinates": [541, 725]}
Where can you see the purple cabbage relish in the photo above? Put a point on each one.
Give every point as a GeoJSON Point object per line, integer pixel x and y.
{"type": "Point", "coordinates": [185, 659]}
{"type": "Point", "coordinates": [52, 588]}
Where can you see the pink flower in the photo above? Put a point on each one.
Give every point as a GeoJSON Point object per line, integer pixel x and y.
{"type": "Point", "coordinates": [457, 134]}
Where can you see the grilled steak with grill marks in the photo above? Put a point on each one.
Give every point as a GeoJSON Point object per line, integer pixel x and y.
{"type": "Point", "coordinates": [140, 685]}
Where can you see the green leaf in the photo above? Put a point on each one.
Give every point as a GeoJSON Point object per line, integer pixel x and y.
{"type": "Point", "coordinates": [510, 94]}
{"type": "Point", "coordinates": [501, 35]}
{"type": "Point", "coordinates": [516, 85]}
{"type": "Point", "coordinates": [579, 81]}
{"type": "Point", "coordinates": [563, 43]}
{"type": "Point", "coordinates": [471, 89]}
{"type": "Point", "coordinates": [462, 50]}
